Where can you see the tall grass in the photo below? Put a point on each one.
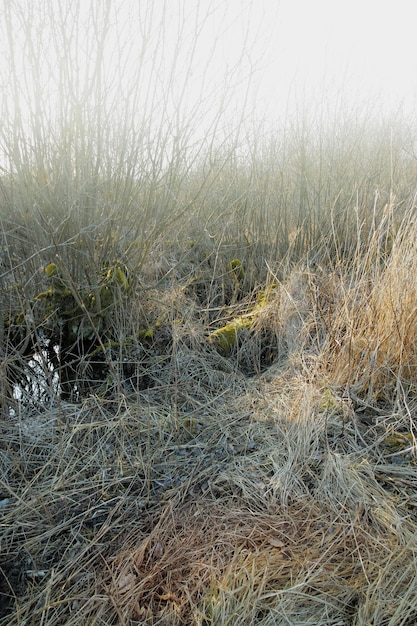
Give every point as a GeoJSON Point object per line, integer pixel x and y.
{"type": "Point", "coordinates": [147, 475]}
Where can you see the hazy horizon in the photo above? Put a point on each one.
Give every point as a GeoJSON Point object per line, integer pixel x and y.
{"type": "Point", "coordinates": [206, 65]}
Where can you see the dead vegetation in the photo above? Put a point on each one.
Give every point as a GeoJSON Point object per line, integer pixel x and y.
{"type": "Point", "coordinates": [208, 383]}
{"type": "Point", "coordinates": [220, 493]}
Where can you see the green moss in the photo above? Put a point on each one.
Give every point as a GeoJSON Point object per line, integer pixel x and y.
{"type": "Point", "coordinates": [51, 270]}
{"type": "Point", "coordinates": [399, 441]}
{"type": "Point", "coordinates": [264, 297]}
{"type": "Point", "coordinates": [147, 333]}
{"type": "Point", "coordinates": [237, 270]}
{"type": "Point", "coordinates": [52, 293]}
{"type": "Point", "coordinates": [116, 273]}
{"type": "Point", "coordinates": [225, 338]}
{"type": "Point", "coordinates": [113, 282]}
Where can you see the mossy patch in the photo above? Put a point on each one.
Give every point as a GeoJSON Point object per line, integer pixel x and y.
{"type": "Point", "coordinates": [237, 270]}
{"type": "Point", "coordinates": [399, 441]}
{"type": "Point", "coordinates": [71, 322]}
{"type": "Point", "coordinates": [225, 338]}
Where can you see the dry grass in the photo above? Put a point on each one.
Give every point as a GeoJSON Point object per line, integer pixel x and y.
{"type": "Point", "coordinates": [214, 497]}
{"type": "Point", "coordinates": [274, 485]}
{"type": "Point", "coordinates": [372, 343]}
{"type": "Point", "coordinates": [149, 479]}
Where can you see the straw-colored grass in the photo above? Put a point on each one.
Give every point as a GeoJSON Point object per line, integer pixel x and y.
{"type": "Point", "coordinates": [272, 485]}
{"type": "Point", "coordinates": [264, 503]}
{"type": "Point", "coordinates": [150, 474]}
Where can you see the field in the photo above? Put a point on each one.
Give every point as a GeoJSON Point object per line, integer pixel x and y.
{"type": "Point", "coordinates": [208, 367]}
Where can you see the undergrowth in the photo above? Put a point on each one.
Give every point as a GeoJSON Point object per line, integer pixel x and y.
{"type": "Point", "coordinates": [208, 383]}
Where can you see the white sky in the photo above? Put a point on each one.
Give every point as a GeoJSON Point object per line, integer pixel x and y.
{"type": "Point", "coordinates": [294, 50]}
{"type": "Point", "coordinates": [366, 47]}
